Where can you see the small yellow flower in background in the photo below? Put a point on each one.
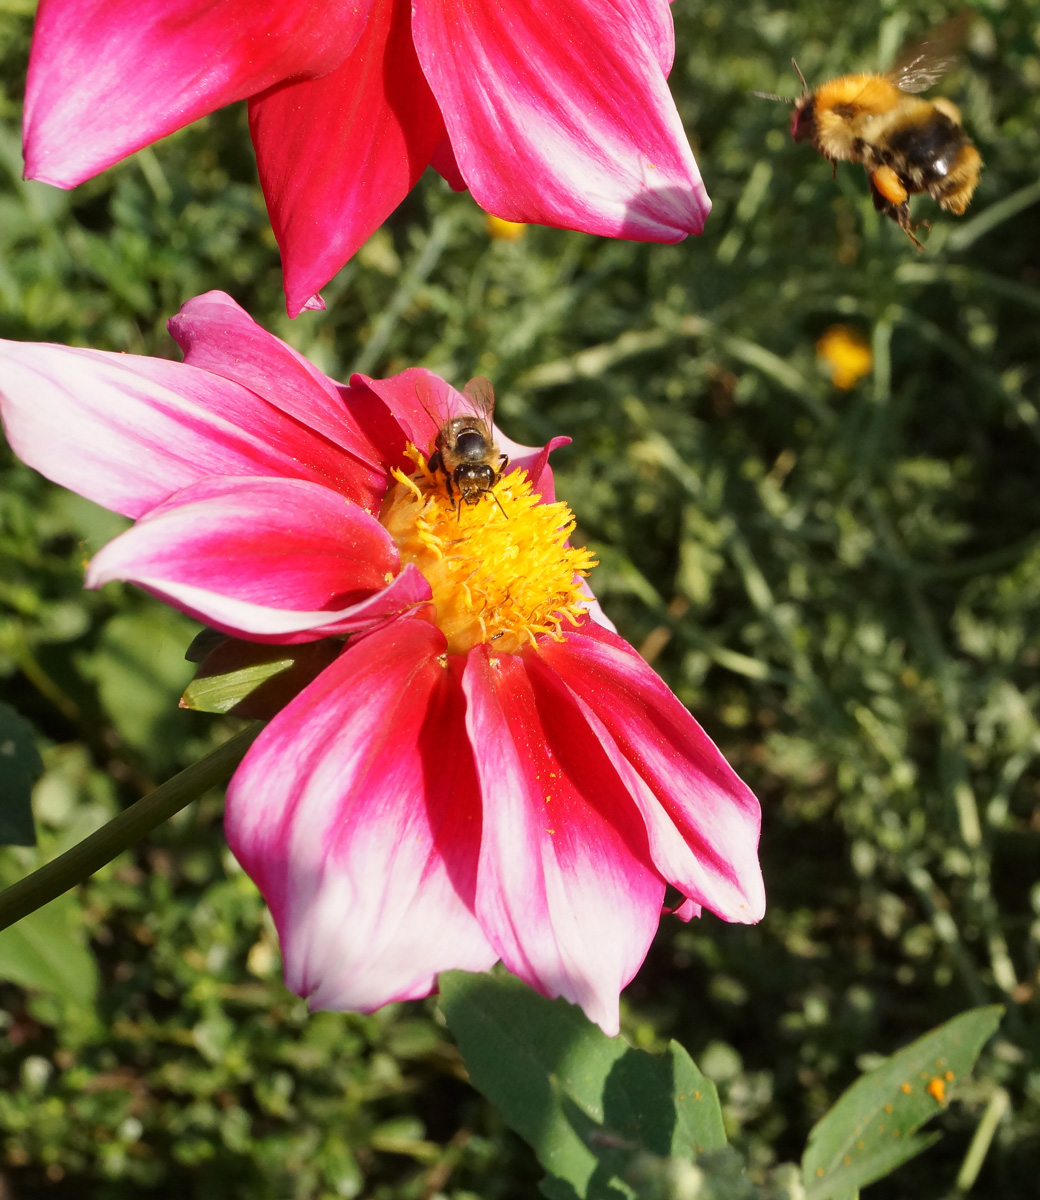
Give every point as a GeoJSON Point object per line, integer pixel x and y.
{"type": "Point", "coordinates": [847, 354]}
{"type": "Point", "coordinates": [504, 231]}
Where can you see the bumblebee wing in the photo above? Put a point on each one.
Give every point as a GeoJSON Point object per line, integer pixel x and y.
{"type": "Point", "coordinates": [481, 395]}
{"type": "Point", "coordinates": [926, 62]}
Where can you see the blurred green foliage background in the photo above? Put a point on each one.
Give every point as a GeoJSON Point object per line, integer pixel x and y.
{"type": "Point", "coordinates": [842, 584]}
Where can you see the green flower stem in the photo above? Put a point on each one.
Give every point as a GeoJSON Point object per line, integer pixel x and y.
{"type": "Point", "coordinates": [106, 843]}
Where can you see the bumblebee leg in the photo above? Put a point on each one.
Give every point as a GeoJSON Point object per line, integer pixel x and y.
{"type": "Point", "coordinates": [911, 232]}
{"type": "Point", "coordinates": [888, 184]}
{"type": "Point", "coordinates": [892, 200]}
{"type": "Point", "coordinates": [900, 213]}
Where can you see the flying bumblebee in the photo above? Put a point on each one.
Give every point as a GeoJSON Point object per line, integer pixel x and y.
{"type": "Point", "coordinates": [906, 144]}
{"type": "Point", "coordinates": [465, 451]}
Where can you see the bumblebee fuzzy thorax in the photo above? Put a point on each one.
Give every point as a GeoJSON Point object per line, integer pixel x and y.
{"type": "Point", "coordinates": [838, 117]}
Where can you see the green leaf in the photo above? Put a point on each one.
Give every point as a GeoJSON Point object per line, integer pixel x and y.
{"type": "Point", "coordinates": [138, 665]}
{"type": "Point", "coordinates": [591, 1106]}
{"type": "Point", "coordinates": [46, 951]}
{"type": "Point", "coordinates": [870, 1131]}
{"type": "Point", "coordinates": [249, 679]}
{"type": "Point", "coordinates": [20, 767]}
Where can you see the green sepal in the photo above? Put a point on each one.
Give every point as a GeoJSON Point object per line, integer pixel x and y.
{"type": "Point", "coordinates": [252, 679]}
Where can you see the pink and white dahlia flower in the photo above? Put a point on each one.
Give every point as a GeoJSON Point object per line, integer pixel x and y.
{"type": "Point", "coordinates": [484, 770]}
{"type": "Point", "coordinates": [555, 112]}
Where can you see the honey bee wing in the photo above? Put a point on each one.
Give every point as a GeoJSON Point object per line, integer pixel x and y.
{"type": "Point", "coordinates": [481, 395]}
{"type": "Point", "coordinates": [441, 405]}
{"type": "Point", "coordinates": [926, 62]}
{"type": "Point", "coordinates": [432, 404]}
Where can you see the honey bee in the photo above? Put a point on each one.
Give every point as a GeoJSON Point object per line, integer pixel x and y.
{"type": "Point", "coordinates": [906, 144]}
{"type": "Point", "coordinates": [465, 450]}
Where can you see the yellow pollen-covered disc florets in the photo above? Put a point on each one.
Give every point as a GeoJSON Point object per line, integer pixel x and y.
{"type": "Point", "coordinates": [500, 570]}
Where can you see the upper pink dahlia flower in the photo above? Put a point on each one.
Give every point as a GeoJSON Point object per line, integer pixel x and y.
{"type": "Point", "coordinates": [550, 111]}
{"type": "Point", "coordinates": [485, 770]}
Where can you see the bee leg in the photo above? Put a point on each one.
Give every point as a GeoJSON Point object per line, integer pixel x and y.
{"type": "Point", "coordinates": [435, 463]}
{"type": "Point", "coordinates": [885, 182]}
{"type": "Point", "coordinates": [900, 213]}
{"type": "Point", "coordinates": [910, 229]}
{"type": "Point", "coordinates": [455, 503]}
{"type": "Point", "coordinates": [498, 502]}
{"type": "Point", "coordinates": [892, 200]}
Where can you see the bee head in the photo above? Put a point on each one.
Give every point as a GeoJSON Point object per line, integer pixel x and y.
{"type": "Point", "coordinates": [803, 119]}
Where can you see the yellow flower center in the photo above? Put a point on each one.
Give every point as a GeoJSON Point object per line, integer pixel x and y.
{"type": "Point", "coordinates": [500, 570]}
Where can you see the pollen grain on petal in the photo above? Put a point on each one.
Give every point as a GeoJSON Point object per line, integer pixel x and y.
{"type": "Point", "coordinates": [500, 570]}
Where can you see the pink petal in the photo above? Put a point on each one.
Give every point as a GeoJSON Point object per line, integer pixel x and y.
{"type": "Point", "coordinates": [286, 548]}
{"type": "Point", "coordinates": [127, 431]}
{"type": "Point", "coordinates": [560, 113]}
{"type": "Point", "coordinates": [653, 19]}
{"type": "Point", "coordinates": [107, 77]}
{"type": "Point", "coordinates": [419, 401]}
{"type": "Point", "coordinates": [687, 910]}
{"type": "Point", "coordinates": [408, 593]}
{"type": "Point", "coordinates": [217, 335]}
{"type": "Point", "coordinates": [534, 460]}
{"type": "Point", "coordinates": [338, 154]}
{"type": "Point", "coordinates": [443, 162]}
{"type": "Point", "coordinates": [565, 889]}
{"type": "Point", "coordinates": [595, 609]}
{"type": "Point", "coordinates": [702, 820]}
{"type": "Point", "coordinates": [356, 812]}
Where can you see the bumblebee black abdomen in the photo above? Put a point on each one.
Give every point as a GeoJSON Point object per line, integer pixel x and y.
{"type": "Point", "coordinates": [926, 153]}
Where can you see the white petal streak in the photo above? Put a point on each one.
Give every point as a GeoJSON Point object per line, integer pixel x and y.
{"type": "Point", "coordinates": [356, 813]}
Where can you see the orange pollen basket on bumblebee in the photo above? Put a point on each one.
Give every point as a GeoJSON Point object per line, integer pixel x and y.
{"type": "Point", "coordinates": [500, 573]}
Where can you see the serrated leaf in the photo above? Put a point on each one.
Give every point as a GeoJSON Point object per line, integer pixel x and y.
{"type": "Point", "coordinates": [587, 1104]}
{"type": "Point", "coordinates": [869, 1132]}
{"type": "Point", "coordinates": [20, 767]}
{"type": "Point", "coordinates": [253, 680]}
